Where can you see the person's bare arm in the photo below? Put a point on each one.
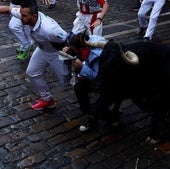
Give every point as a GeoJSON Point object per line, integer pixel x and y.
{"type": "Point", "coordinates": [5, 9]}
{"type": "Point", "coordinates": [102, 15]}
{"type": "Point", "coordinates": [104, 10]}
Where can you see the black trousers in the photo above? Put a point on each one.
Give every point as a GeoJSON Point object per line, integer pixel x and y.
{"type": "Point", "coordinates": [82, 89]}
{"type": "Point", "coordinates": [100, 108]}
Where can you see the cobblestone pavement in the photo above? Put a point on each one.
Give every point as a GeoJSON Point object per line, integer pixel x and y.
{"type": "Point", "coordinates": [50, 139]}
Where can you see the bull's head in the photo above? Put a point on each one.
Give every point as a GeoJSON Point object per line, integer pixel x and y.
{"type": "Point", "coordinates": [129, 57]}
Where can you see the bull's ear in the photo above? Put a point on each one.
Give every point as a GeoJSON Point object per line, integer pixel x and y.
{"type": "Point", "coordinates": [130, 58]}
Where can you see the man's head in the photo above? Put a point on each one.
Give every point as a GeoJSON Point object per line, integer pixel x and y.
{"type": "Point", "coordinates": [77, 47]}
{"type": "Point", "coordinates": [29, 12]}
{"type": "Point", "coordinates": [77, 42]}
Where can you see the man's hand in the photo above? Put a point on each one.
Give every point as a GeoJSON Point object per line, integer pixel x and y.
{"type": "Point", "coordinates": [77, 64]}
{"type": "Point", "coordinates": [96, 23]}
{"type": "Point", "coordinates": [65, 49]}
{"type": "Point", "coordinates": [46, 2]}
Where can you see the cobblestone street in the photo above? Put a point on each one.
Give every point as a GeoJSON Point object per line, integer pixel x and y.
{"type": "Point", "coordinates": [51, 139]}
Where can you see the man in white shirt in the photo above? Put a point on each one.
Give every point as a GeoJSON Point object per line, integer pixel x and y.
{"type": "Point", "coordinates": [49, 38]}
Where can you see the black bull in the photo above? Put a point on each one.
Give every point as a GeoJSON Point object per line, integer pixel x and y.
{"type": "Point", "coordinates": [146, 84]}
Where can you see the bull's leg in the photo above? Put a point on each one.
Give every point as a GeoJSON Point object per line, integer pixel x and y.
{"type": "Point", "coordinates": [116, 112]}
{"type": "Point", "coordinates": [116, 108]}
{"type": "Point", "coordinates": [158, 119]}
{"type": "Point", "coordinates": [155, 130]}
{"type": "Point", "coordinates": [100, 109]}
{"type": "Point", "coordinates": [158, 123]}
{"type": "Point", "coordinates": [154, 136]}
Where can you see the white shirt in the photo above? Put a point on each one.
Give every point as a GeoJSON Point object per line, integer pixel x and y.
{"type": "Point", "coordinates": [45, 31]}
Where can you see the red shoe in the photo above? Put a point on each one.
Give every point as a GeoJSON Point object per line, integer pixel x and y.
{"type": "Point", "coordinates": [42, 104]}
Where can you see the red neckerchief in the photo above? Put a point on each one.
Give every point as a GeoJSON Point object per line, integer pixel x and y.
{"type": "Point", "coordinates": [85, 53]}
{"type": "Point", "coordinates": [101, 2]}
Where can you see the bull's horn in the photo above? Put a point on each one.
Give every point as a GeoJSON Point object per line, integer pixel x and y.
{"type": "Point", "coordinates": [130, 58]}
{"type": "Point", "coordinates": [92, 44]}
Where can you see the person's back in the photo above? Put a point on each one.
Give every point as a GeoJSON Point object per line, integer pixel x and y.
{"type": "Point", "coordinates": [47, 30]}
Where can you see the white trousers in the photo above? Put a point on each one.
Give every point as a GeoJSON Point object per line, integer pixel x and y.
{"type": "Point", "coordinates": [38, 65]}
{"type": "Point", "coordinates": [83, 21]}
{"type": "Point", "coordinates": [155, 6]}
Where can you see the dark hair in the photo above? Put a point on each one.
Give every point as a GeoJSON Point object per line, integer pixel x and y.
{"type": "Point", "coordinates": [76, 40]}
{"type": "Point", "coordinates": [32, 4]}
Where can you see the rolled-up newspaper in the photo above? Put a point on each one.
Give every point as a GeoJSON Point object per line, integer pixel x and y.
{"type": "Point", "coordinates": [65, 56]}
